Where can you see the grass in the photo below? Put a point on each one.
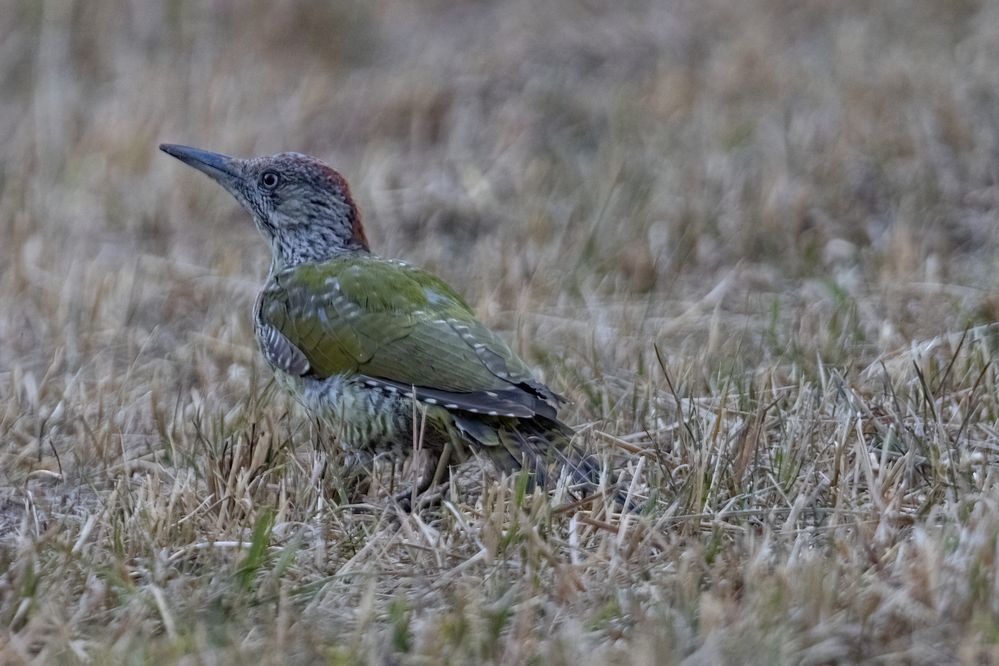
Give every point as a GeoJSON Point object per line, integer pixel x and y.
{"type": "Point", "coordinates": [754, 243]}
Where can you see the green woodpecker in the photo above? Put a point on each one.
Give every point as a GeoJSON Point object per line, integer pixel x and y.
{"type": "Point", "coordinates": [357, 337]}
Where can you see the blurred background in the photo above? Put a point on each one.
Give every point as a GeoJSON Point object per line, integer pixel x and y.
{"type": "Point", "coordinates": [723, 178]}
{"type": "Point", "coordinates": [755, 195]}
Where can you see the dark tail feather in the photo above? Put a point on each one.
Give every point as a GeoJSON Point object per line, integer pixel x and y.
{"type": "Point", "coordinates": [541, 445]}
{"type": "Point", "coordinates": [545, 448]}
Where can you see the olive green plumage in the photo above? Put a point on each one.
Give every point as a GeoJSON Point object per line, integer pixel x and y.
{"type": "Point", "coordinates": [364, 315]}
{"type": "Point", "coordinates": [356, 337]}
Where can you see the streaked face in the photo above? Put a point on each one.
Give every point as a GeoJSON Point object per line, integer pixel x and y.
{"type": "Point", "coordinates": [301, 205]}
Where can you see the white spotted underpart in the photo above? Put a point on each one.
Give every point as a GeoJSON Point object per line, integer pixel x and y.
{"type": "Point", "coordinates": [366, 412]}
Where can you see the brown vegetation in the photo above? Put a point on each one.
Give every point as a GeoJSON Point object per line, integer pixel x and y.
{"type": "Point", "coordinates": [754, 242]}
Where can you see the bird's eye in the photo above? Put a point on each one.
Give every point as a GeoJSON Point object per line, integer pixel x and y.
{"type": "Point", "coordinates": [269, 179]}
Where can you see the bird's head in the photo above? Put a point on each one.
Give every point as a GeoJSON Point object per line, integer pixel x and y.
{"type": "Point", "coordinates": [301, 206]}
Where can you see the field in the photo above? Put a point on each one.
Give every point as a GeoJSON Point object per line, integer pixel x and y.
{"type": "Point", "coordinates": [755, 243]}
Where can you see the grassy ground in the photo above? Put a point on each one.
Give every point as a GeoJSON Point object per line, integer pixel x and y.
{"type": "Point", "coordinates": [755, 243]}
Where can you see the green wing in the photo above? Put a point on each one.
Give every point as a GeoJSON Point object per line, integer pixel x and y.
{"type": "Point", "coordinates": [400, 328]}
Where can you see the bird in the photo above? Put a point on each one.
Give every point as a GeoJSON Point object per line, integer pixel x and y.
{"type": "Point", "coordinates": [356, 337]}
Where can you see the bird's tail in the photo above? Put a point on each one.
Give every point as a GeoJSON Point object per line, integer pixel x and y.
{"type": "Point", "coordinates": [544, 447]}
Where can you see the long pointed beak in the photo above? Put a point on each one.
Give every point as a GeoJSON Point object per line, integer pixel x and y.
{"type": "Point", "coordinates": [219, 167]}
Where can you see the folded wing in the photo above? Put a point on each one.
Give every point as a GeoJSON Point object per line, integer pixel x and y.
{"type": "Point", "coordinates": [400, 329]}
